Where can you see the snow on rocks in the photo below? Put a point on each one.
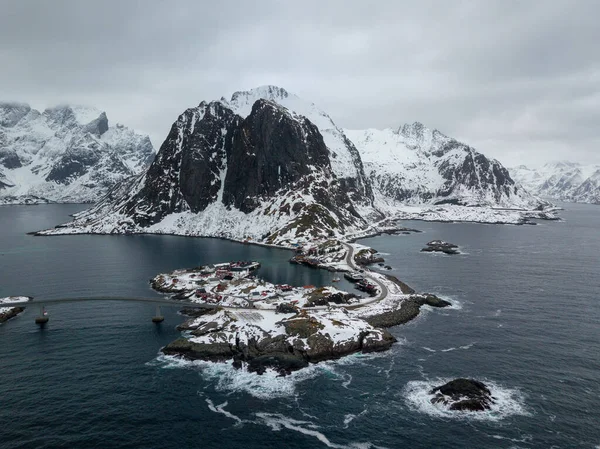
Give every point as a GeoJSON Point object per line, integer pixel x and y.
{"type": "Point", "coordinates": [264, 326]}
{"type": "Point", "coordinates": [284, 342]}
{"type": "Point", "coordinates": [7, 313]}
{"type": "Point", "coordinates": [65, 154]}
{"type": "Point", "coordinates": [562, 180]}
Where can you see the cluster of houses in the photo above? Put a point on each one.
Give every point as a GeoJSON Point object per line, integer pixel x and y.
{"type": "Point", "coordinates": [361, 283]}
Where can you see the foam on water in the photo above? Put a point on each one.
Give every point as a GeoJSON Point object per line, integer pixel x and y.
{"type": "Point", "coordinates": [453, 348]}
{"type": "Point", "coordinates": [509, 402]}
{"type": "Point", "coordinates": [348, 418]}
{"type": "Point", "coordinates": [221, 409]}
{"type": "Point", "coordinates": [269, 385]}
{"type": "Point", "coordinates": [277, 422]}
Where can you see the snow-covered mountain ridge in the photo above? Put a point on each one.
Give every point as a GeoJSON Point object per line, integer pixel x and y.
{"type": "Point", "coordinates": [271, 167]}
{"type": "Point", "coordinates": [65, 154]}
{"type": "Point", "coordinates": [415, 165]}
{"type": "Point", "coordinates": [563, 180]}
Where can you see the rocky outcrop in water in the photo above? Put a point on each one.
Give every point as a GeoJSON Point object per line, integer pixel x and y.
{"type": "Point", "coordinates": [409, 309]}
{"type": "Point", "coordinates": [368, 256]}
{"type": "Point", "coordinates": [441, 247]}
{"type": "Point", "coordinates": [463, 395]}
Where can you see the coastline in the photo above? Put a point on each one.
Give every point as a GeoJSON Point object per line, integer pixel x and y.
{"type": "Point", "coordinates": [7, 313]}
{"type": "Point", "coordinates": [287, 334]}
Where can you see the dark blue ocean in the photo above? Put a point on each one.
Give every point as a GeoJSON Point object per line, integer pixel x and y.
{"type": "Point", "coordinates": [525, 319]}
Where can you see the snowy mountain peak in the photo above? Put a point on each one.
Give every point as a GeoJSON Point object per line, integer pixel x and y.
{"type": "Point", "coordinates": [417, 165]}
{"type": "Point", "coordinates": [345, 160]}
{"type": "Point", "coordinates": [12, 113]}
{"type": "Point", "coordinates": [422, 137]}
{"type": "Point", "coordinates": [562, 180]}
{"type": "Point", "coordinates": [66, 154]}
{"type": "Point", "coordinates": [67, 115]}
{"type": "Point", "coordinates": [272, 93]}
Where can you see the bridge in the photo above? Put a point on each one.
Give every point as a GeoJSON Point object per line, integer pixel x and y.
{"type": "Point", "coordinates": [42, 319]}
{"type": "Point", "coordinates": [156, 300]}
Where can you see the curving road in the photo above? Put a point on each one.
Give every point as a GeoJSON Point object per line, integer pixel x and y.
{"type": "Point", "coordinates": [383, 290]}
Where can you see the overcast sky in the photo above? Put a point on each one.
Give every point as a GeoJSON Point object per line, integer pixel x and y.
{"type": "Point", "coordinates": [518, 80]}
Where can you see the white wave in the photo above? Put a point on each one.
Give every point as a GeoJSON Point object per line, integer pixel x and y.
{"type": "Point", "coordinates": [221, 409]}
{"type": "Point", "coordinates": [508, 402]}
{"type": "Point", "coordinates": [269, 385]}
{"type": "Point", "coordinates": [455, 304]}
{"type": "Point", "coordinates": [448, 350]}
{"type": "Point", "coordinates": [277, 422]}
{"type": "Point", "coordinates": [429, 349]}
{"type": "Point", "coordinates": [348, 418]}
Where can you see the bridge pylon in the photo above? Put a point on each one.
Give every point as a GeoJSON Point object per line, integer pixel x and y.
{"type": "Point", "coordinates": [43, 318]}
{"type": "Point", "coordinates": [158, 318]}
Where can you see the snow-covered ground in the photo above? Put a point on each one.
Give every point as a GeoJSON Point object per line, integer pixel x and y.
{"type": "Point", "coordinates": [6, 311]}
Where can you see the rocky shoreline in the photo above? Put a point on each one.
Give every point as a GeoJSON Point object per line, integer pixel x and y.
{"type": "Point", "coordinates": [13, 312]}
{"type": "Point", "coordinates": [409, 309]}
{"type": "Point", "coordinates": [287, 343]}
{"type": "Point", "coordinates": [260, 326]}
{"type": "Point", "coordinates": [6, 313]}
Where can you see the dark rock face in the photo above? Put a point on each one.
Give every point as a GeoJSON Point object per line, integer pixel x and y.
{"type": "Point", "coordinates": [476, 172]}
{"type": "Point", "coordinates": [98, 126]}
{"type": "Point", "coordinates": [271, 150]}
{"type": "Point", "coordinates": [9, 159]}
{"type": "Point", "coordinates": [75, 162]}
{"type": "Point", "coordinates": [217, 352]}
{"type": "Point", "coordinates": [185, 174]}
{"type": "Point", "coordinates": [441, 247]}
{"type": "Point", "coordinates": [463, 395]}
{"type": "Point", "coordinates": [213, 155]}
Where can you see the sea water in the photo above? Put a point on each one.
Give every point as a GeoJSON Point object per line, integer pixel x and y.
{"type": "Point", "coordinates": [525, 320]}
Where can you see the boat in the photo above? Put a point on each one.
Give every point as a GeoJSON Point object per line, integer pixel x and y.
{"type": "Point", "coordinates": [335, 279]}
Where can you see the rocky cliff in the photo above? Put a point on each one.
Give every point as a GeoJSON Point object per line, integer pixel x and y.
{"type": "Point", "coordinates": [259, 171]}
{"type": "Point", "coordinates": [268, 166]}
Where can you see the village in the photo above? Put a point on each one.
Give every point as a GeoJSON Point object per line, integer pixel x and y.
{"type": "Point", "coordinates": [234, 284]}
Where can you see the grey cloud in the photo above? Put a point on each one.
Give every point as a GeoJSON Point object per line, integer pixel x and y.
{"type": "Point", "coordinates": [518, 80]}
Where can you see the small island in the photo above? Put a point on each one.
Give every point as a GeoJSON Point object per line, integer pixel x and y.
{"type": "Point", "coordinates": [463, 395]}
{"type": "Point", "coordinates": [259, 325]}
{"type": "Point", "coordinates": [6, 313]}
{"type": "Point", "coordinates": [441, 247]}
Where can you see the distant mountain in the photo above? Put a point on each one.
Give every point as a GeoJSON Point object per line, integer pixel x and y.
{"type": "Point", "coordinates": [415, 165]}
{"type": "Point", "coordinates": [269, 166]}
{"type": "Point", "coordinates": [65, 154]}
{"type": "Point", "coordinates": [563, 180]}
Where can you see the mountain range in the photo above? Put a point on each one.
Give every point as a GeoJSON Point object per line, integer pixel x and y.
{"type": "Point", "coordinates": [562, 180]}
{"type": "Point", "coordinates": [268, 166]}
{"type": "Point", "coordinates": [65, 154]}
